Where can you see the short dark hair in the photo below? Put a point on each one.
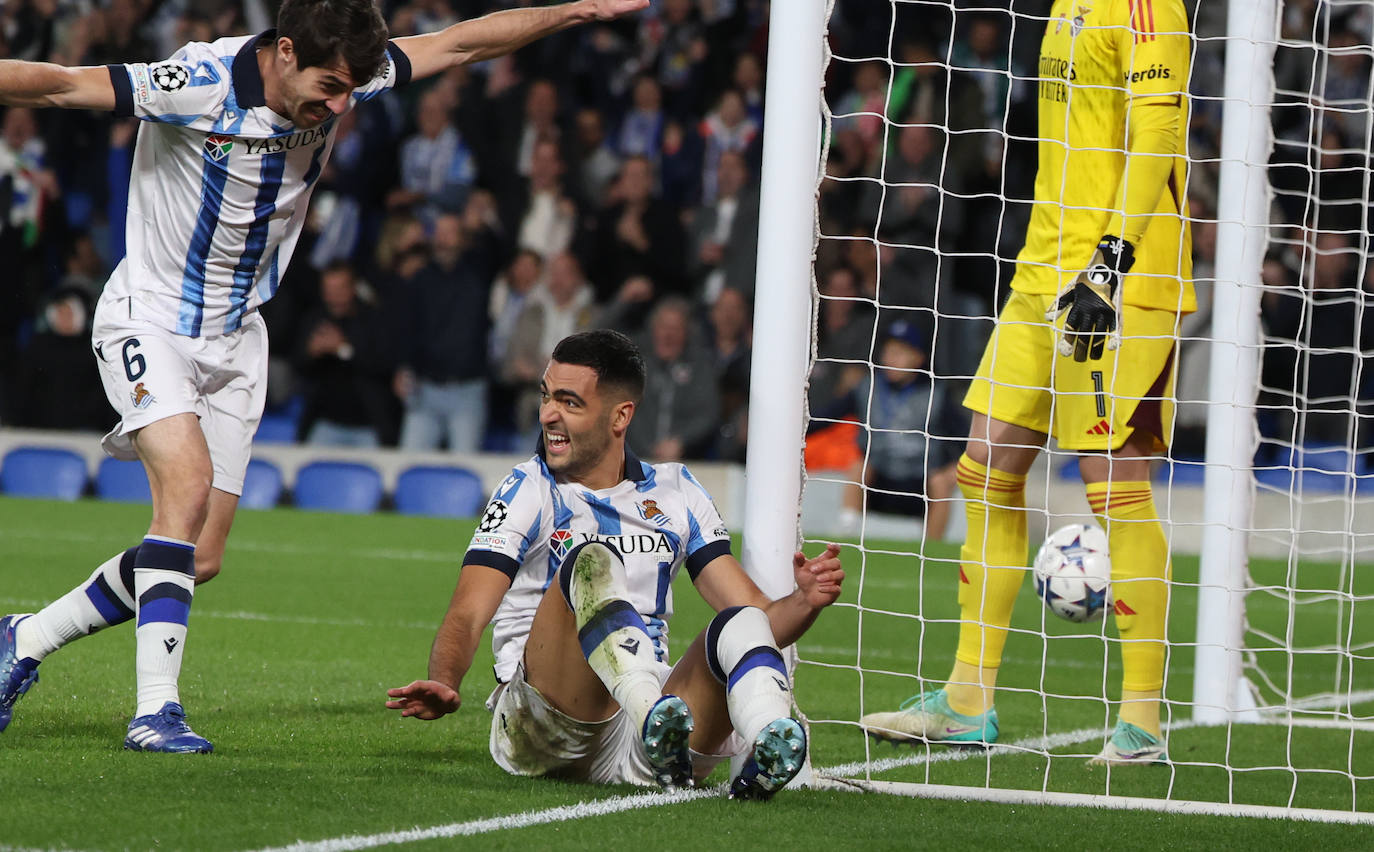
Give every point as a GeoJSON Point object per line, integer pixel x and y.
{"type": "Point", "coordinates": [612, 355]}
{"type": "Point", "coordinates": [325, 30]}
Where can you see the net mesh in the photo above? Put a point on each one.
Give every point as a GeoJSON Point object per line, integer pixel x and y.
{"type": "Point", "coordinates": [930, 160]}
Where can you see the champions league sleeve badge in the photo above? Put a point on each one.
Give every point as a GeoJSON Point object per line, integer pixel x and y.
{"type": "Point", "coordinates": [169, 76]}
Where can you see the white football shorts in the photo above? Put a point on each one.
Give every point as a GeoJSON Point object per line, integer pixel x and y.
{"type": "Point", "coordinates": [531, 737]}
{"type": "Point", "coordinates": [150, 374]}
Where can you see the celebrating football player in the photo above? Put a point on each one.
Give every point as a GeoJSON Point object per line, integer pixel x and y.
{"type": "Point", "coordinates": [573, 565]}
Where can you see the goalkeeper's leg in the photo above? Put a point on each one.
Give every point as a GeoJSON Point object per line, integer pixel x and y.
{"type": "Point", "coordinates": [1118, 489]}
{"type": "Point", "coordinates": [991, 476]}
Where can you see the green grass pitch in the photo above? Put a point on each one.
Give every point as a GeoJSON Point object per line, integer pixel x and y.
{"type": "Point", "coordinates": [315, 615]}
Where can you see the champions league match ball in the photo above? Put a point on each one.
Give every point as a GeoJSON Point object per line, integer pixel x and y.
{"type": "Point", "coordinates": [1073, 573]}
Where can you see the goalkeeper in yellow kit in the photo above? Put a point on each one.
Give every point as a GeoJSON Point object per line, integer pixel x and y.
{"type": "Point", "coordinates": [1084, 352]}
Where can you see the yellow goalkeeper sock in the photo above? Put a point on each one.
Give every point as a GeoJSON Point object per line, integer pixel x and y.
{"type": "Point", "coordinates": [1140, 590]}
{"type": "Point", "coordinates": [991, 567]}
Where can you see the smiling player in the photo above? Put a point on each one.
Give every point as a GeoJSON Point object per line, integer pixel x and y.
{"type": "Point", "coordinates": [573, 564]}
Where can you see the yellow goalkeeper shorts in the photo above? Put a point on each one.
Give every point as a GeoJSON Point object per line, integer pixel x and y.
{"type": "Point", "coordinates": [1089, 405]}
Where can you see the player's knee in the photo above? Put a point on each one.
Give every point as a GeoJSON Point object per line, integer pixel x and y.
{"type": "Point", "coordinates": [591, 564]}
{"type": "Point", "coordinates": [733, 634]}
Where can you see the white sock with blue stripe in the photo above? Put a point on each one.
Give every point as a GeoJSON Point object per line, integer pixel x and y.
{"type": "Point", "coordinates": [611, 632]}
{"type": "Point", "coordinates": [106, 598]}
{"type": "Point", "coordinates": [164, 578]}
{"type": "Point", "coordinates": [743, 655]}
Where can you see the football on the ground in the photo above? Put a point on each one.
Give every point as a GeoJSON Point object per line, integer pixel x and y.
{"type": "Point", "coordinates": [1073, 573]}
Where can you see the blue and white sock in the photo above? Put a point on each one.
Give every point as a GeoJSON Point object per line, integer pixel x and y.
{"type": "Point", "coordinates": [164, 578]}
{"type": "Point", "coordinates": [742, 654]}
{"type": "Point", "coordinates": [611, 632]}
{"type": "Point", "coordinates": [105, 599]}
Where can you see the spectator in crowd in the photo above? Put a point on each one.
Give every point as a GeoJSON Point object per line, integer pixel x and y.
{"type": "Point", "coordinates": [438, 169]}
{"type": "Point", "coordinates": [917, 211]}
{"type": "Point", "coordinates": [27, 184]}
{"type": "Point", "coordinates": [748, 81]}
{"type": "Point", "coordinates": [343, 363]}
{"type": "Point", "coordinates": [544, 216]}
{"type": "Point", "coordinates": [540, 125]}
{"type": "Point", "coordinates": [561, 306]}
{"type": "Point", "coordinates": [924, 92]}
{"type": "Point", "coordinates": [845, 334]}
{"type": "Point", "coordinates": [681, 52]}
{"type": "Point", "coordinates": [678, 415]}
{"type": "Point", "coordinates": [909, 438]}
{"type": "Point", "coordinates": [57, 385]}
{"type": "Point", "coordinates": [727, 128]}
{"type": "Point", "coordinates": [679, 165]}
{"type": "Point", "coordinates": [636, 235]}
{"type": "Point", "coordinates": [442, 374]}
{"type": "Point", "coordinates": [597, 163]}
{"type": "Point", "coordinates": [732, 350]}
{"type": "Point", "coordinates": [724, 239]}
{"type": "Point", "coordinates": [641, 132]}
{"type": "Point", "coordinates": [510, 293]}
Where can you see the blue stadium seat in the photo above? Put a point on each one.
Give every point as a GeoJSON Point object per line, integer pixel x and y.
{"type": "Point", "coordinates": [338, 487]}
{"type": "Point", "coordinates": [278, 425]}
{"type": "Point", "coordinates": [275, 429]}
{"type": "Point", "coordinates": [43, 472]}
{"type": "Point", "coordinates": [448, 492]}
{"type": "Point", "coordinates": [262, 485]}
{"type": "Point", "coordinates": [124, 481]}
{"type": "Point", "coordinates": [1181, 472]}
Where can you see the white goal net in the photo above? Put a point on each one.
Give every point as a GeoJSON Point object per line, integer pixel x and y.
{"type": "Point", "coordinates": [1267, 494]}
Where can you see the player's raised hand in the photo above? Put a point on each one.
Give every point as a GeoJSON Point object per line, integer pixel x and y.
{"type": "Point", "coordinates": [1093, 302]}
{"type": "Point", "coordinates": [424, 699]}
{"type": "Point", "coordinates": [819, 577]}
{"type": "Point", "coordinates": [606, 10]}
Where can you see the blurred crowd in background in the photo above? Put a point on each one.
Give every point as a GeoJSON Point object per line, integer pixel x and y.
{"type": "Point", "coordinates": [608, 176]}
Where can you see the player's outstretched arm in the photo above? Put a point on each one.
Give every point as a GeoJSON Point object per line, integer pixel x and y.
{"type": "Point", "coordinates": [503, 32]}
{"type": "Point", "coordinates": [474, 602]}
{"type": "Point", "coordinates": [724, 583]}
{"type": "Point", "coordinates": [45, 84]}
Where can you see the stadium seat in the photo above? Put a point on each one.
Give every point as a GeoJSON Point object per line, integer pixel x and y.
{"type": "Point", "coordinates": [338, 487]}
{"type": "Point", "coordinates": [124, 481]}
{"type": "Point", "coordinates": [448, 492]}
{"type": "Point", "coordinates": [262, 485]}
{"type": "Point", "coordinates": [275, 429]}
{"type": "Point", "coordinates": [1181, 472]}
{"type": "Point", "coordinates": [43, 472]}
{"type": "Point", "coordinates": [278, 425]}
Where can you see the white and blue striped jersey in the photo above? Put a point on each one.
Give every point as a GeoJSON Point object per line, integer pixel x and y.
{"type": "Point", "coordinates": [220, 184]}
{"type": "Point", "coordinates": [658, 517]}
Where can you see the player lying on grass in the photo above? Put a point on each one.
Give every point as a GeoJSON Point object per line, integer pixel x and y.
{"type": "Point", "coordinates": [234, 137]}
{"type": "Point", "coordinates": [573, 564]}
{"type": "Point", "coordinates": [1109, 248]}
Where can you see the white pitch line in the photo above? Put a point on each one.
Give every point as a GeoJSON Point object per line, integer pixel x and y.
{"type": "Point", "coordinates": [581, 810]}
{"type": "Point", "coordinates": [241, 544]}
{"type": "Point", "coordinates": [243, 615]}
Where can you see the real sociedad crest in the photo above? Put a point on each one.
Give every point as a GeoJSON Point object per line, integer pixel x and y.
{"type": "Point", "coordinates": [649, 511]}
{"type": "Point", "coordinates": [218, 146]}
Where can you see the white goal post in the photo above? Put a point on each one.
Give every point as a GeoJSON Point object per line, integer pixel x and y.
{"type": "Point", "coordinates": [1244, 669]}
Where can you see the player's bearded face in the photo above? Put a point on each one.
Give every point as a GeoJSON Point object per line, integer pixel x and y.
{"type": "Point", "coordinates": [576, 420]}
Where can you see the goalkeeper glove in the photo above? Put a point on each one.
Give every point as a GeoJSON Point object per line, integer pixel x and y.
{"type": "Point", "coordinates": [1093, 302]}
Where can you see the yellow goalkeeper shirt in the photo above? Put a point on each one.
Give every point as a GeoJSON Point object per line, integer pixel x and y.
{"type": "Point", "coordinates": [1113, 82]}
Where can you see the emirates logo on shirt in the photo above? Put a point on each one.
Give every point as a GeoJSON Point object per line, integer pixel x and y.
{"type": "Point", "coordinates": [217, 147]}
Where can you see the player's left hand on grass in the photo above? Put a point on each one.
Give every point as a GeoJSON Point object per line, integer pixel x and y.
{"type": "Point", "coordinates": [1092, 301]}
{"type": "Point", "coordinates": [819, 577]}
{"type": "Point", "coordinates": [424, 699]}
